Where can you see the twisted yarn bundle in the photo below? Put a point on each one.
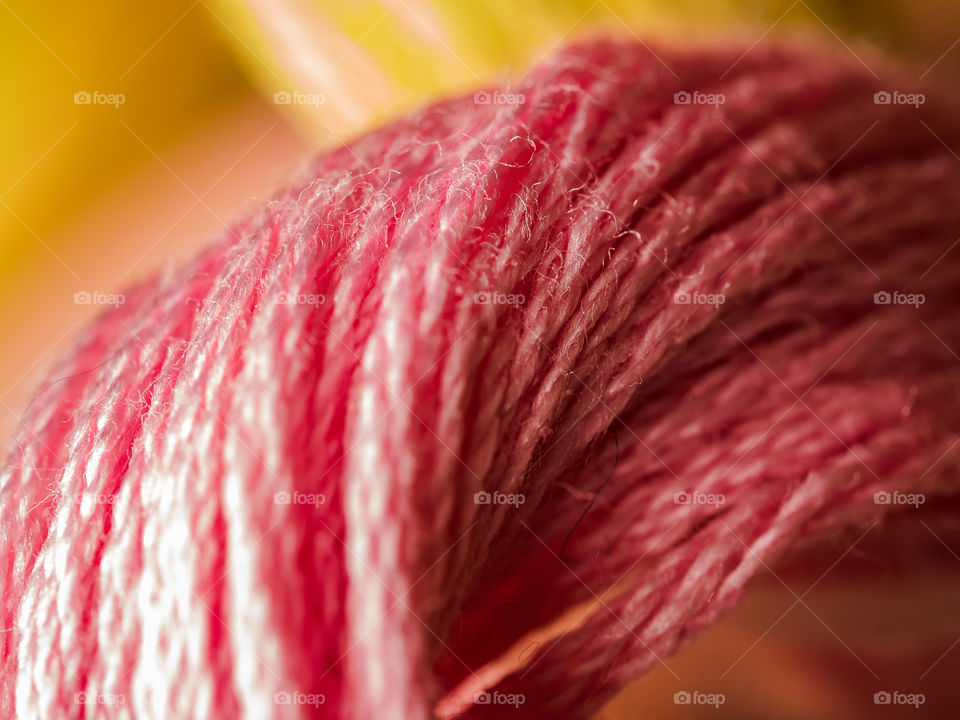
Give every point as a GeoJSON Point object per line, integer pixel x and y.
{"type": "Point", "coordinates": [636, 328]}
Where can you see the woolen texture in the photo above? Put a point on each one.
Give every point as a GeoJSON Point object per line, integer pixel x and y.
{"type": "Point", "coordinates": [259, 475]}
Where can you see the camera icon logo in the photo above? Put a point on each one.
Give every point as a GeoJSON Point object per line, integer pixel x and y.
{"type": "Point", "coordinates": [482, 98]}
{"type": "Point", "coordinates": [681, 698]}
{"type": "Point", "coordinates": [82, 98]}
{"type": "Point", "coordinates": [882, 698]}
{"type": "Point", "coordinates": [681, 498]}
{"type": "Point", "coordinates": [281, 698]}
{"type": "Point", "coordinates": [82, 298]}
{"type": "Point", "coordinates": [882, 98]}
{"type": "Point", "coordinates": [881, 497]}
{"type": "Point", "coordinates": [481, 498]}
{"type": "Point", "coordinates": [649, 166]}
{"type": "Point", "coordinates": [80, 698]}
{"type": "Point", "coordinates": [682, 98]}
{"type": "Point", "coordinates": [481, 698]}
{"type": "Point", "coordinates": [681, 298]}
{"type": "Point", "coordinates": [882, 298]}
{"type": "Point", "coordinates": [481, 298]}
{"type": "Point", "coordinates": [281, 498]}
{"type": "Point", "coordinates": [282, 97]}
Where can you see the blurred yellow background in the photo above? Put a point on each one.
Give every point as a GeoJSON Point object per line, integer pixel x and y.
{"type": "Point", "coordinates": [131, 133]}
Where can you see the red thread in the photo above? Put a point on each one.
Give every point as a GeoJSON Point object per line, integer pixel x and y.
{"type": "Point", "coordinates": [327, 469]}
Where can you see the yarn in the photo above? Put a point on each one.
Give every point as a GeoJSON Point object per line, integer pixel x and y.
{"type": "Point", "coordinates": [595, 336]}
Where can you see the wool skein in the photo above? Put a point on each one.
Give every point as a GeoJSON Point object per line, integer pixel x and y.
{"type": "Point", "coordinates": [644, 322]}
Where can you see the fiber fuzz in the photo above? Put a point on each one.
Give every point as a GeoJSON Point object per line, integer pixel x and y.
{"type": "Point", "coordinates": [477, 366]}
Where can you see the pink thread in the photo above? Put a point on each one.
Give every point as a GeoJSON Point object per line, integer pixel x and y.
{"type": "Point", "coordinates": [335, 461]}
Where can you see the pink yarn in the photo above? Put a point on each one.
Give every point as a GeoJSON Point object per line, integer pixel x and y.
{"type": "Point", "coordinates": [477, 367]}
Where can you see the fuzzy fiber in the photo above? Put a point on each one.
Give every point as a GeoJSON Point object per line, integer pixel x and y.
{"type": "Point", "coordinates": [259, 475]}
